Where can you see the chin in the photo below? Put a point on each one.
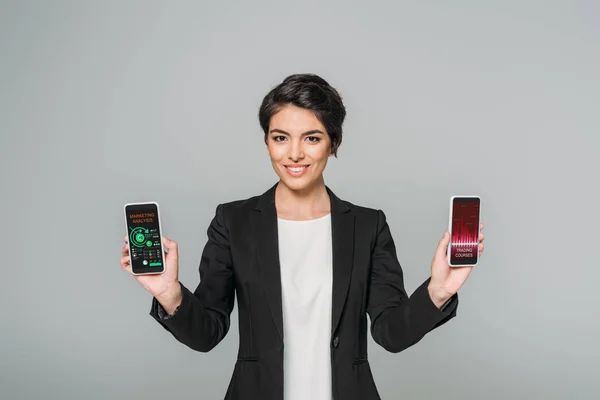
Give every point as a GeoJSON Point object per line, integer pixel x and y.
{"type": "Point", "coordinates": [296, 184]}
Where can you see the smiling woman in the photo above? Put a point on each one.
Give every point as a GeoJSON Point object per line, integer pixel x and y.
{"type": "Point", "coordinates": [302, 122]}
{"type": "Point", "coordinates": [306, 268]}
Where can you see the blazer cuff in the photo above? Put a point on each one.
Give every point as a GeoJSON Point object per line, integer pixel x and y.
{"type": "Point", "coordinates": [431, 314]}
{"type": "Point", "coordinates": [162, 314]}
{"type": "Point", "coordinates": [158, 312]}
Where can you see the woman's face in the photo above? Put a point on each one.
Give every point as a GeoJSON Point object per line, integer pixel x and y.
{"type": "Point", "coordinates": [299, 147]}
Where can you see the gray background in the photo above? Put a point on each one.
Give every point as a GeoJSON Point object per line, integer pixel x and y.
{"type": "Point", "coordinates": [103, 103]}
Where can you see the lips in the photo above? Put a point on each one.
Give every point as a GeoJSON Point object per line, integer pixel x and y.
{"type": "Point", "coordinates": [296, 169]}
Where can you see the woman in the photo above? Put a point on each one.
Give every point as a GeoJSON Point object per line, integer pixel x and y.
{"type": "Point", "coordinates": [306, 267]}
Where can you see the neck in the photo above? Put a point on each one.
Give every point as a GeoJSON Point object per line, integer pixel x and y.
{"type": "Point", "coordinates": [308, 203]}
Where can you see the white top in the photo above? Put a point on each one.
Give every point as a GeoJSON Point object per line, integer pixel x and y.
{"type": "Point", "coordinates": [305, 255]}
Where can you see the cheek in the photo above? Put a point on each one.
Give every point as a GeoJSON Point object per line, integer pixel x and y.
{"type": "Point", "coordinates": [275, 153]}
{"type": "Point", "coordinates": [321, 153]}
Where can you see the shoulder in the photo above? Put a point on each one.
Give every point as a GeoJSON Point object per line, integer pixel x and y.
{"type": "Point", "coordinates": [367, 219]}
{"type": "Point", "coordinates": [239, 205]}
{"type": "Point", "coordinates": [370, 217]}
{"type": "Point", "coordinates": [237, 210]}
{"type": "Point", "coordinates": [362, 211]}
{"type": "Point", "coordinates": [359, 210]}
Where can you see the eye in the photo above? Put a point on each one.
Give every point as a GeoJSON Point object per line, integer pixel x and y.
{"type": "Point", "coordinates": [317, 140]}
{"type": "Point", "coordinates": [275, 138]}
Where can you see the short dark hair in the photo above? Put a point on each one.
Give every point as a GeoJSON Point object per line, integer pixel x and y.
{"type": "Point", "coordinates": [311, 92]}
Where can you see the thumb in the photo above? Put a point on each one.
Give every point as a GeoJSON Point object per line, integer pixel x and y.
{"type": "Point", "coordinates": [442, 247]}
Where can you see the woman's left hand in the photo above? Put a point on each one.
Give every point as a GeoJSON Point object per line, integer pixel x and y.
{"type": "Point", "coordinates": [446, 280]}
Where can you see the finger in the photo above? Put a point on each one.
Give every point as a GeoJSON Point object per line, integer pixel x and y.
{"type": "Point", "coordinates": [442, 247]}
{"type": "Point", "coordinates": [125, 260]}
{"type": "Point", "coordinates": [480, 248]}
{"type": "Point", "coordinates": [481, 236]}
{"type": "Point", "coordinates": [480, 227]}
{"type": "Point", "coordinates": [125, 250]}
{"type": "Point", "coordinates": [126, 239]}
{"type": "Point", "coordinates": [126, 263]}
{"type": "Point", "coordinates": [171, 245]}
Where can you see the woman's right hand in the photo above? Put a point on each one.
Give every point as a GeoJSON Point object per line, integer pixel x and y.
{"type": "Point", "coordinates": [165, 287]}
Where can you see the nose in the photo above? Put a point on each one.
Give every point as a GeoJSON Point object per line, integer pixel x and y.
{"type": "Point", "coordinates": [296, 151]}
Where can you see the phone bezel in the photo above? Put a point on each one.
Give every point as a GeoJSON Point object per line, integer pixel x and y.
{"type": "Point", "coordinates": [162, 250]}
{"type": "Point", "coordinates": [450, 229]}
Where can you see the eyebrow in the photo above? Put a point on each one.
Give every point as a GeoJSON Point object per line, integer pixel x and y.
{"type": "Point", "coordinates": [304, 134]}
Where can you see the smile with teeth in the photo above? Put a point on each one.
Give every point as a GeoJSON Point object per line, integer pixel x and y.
{"type": "Point", "coordinates": [297, 169]}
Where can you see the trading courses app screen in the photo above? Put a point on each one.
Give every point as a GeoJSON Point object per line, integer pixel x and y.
{"type": "Point", "coordinates": [464, 247]}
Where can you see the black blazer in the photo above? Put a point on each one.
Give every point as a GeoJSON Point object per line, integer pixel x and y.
{"type": "Point", "coordinates": [241, 258]}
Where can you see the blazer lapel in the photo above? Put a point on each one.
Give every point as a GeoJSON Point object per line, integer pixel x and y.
{"type": "Point", "coordinates": [267, 242]}
{"type": "Point", "coordinates": [342, 226]}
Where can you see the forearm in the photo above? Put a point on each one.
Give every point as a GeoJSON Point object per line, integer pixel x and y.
{"type": "Point", "coordinates": [170, 299]}
{"type": "Point", "coordinates": [400, 326]}
{"type": "Point", "coordinates": [438, 296]}
{"type": "Point", "coordinates": [193, 324]}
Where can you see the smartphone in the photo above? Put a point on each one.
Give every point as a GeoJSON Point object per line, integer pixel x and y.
{"type": "Point", "coordinates": [145, 239]}
{"type": "Point", "coordinates": [465, 212]}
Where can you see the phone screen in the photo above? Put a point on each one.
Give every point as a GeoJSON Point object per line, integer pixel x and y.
{"type": "Point", "coordinates": [464, 244]}
{"type": "Point", "coordinates": [143, 229]}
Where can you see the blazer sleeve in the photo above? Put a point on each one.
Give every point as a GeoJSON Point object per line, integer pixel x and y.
{"type": "Point", "coordinates": [399, 321]}
{"type": "Point", "coordinates": [202, 319]}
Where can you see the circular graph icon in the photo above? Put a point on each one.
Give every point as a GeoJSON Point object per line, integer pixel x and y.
{"type": "Point", "coordinates": [138, 236]}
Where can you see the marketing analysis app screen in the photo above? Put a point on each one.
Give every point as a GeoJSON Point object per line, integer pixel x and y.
{"type": "Point", "coordinates": [144, 237]}
{"type": "Point", "coordinates": [464, 248]}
